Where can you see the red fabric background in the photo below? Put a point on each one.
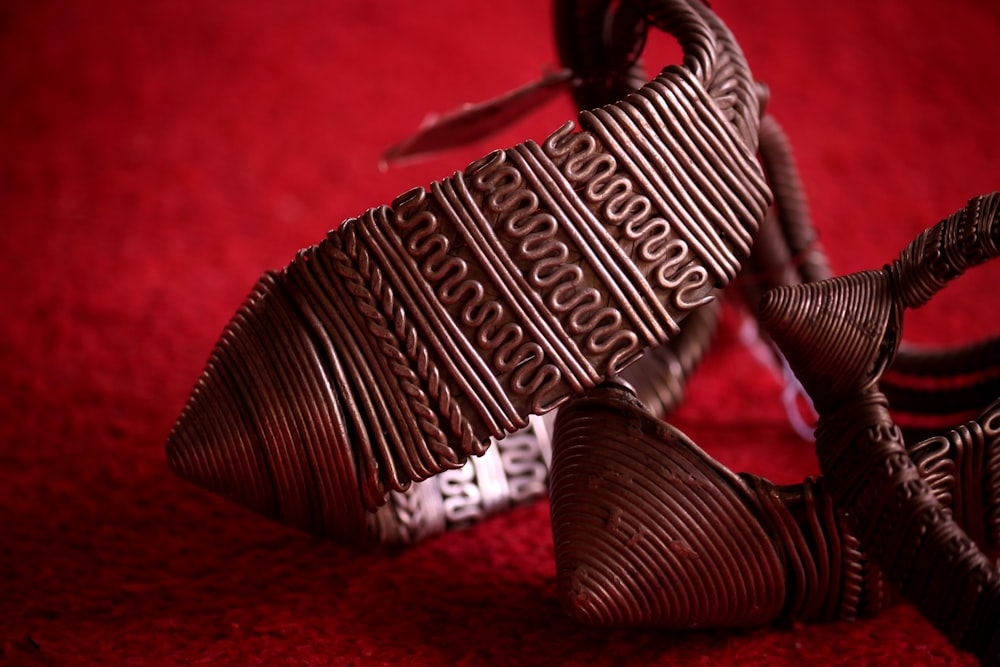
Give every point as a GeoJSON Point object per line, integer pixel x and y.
{"type": "Point", "coordinates": [156, 157]}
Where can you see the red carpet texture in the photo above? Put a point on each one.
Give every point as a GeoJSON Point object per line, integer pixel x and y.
{"type": "Point", "coordinates": [156, 157]}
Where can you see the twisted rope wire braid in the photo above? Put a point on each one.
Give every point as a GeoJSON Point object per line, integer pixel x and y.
{"type": "Point", "coordinates": [412, 334]}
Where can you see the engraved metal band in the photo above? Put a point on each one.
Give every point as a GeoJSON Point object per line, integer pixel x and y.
{"type": "Point", "coordinates": [512, 472]}
{"type": "Point", "coordinates": [394, 349]}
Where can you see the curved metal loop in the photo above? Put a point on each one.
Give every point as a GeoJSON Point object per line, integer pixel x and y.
{"type": "Point", "coordinates": [600, 41]}
{"type": "Point", "coordinates": [620, 29]}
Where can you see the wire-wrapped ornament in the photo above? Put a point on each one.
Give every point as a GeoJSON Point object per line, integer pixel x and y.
{"type": "Point", "coordinates": [650, 530]}
{"type": "Point", "coordinates": [839, 336]}
{"type": "Point", "coordinates": [397, 347]}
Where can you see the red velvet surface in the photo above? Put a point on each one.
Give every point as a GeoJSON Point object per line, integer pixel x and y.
{"type": "Point", "coordinates": [156, 157]}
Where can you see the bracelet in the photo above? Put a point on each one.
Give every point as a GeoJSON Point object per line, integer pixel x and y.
{"type": "Point", "coordinates": [349, 390]}
{"type": "Point", "coordinates": [395, 348]}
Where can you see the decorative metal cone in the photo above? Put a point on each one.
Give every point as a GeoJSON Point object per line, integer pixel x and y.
{"type": "Point", "coordinates": [835, 328]}
{"type": "Point", "coordinates": [649, 530]}
{"type": "Point", "coordinates": [839, 336]}
{"type": "Point", "coordinates": [244, 437]}
{"type": "Point", "coordinates": [397, 347]}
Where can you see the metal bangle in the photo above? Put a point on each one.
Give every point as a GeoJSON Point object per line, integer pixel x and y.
{"type": "Point", "coordinates": [397, 347]}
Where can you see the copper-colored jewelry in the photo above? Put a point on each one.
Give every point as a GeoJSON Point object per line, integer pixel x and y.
{"type": "Point", "coordinates": [786, 252]}
{"type": "Point", "coordinates": [649, 530]}
{"type": "Point", "coordinates": [399, 346]}
{"type": "Point", "coordinates": [839, 336]}
{"type": "Point", "coordinates": [929, 389]}
{"type": "Point", "coordinates": [394, 349]}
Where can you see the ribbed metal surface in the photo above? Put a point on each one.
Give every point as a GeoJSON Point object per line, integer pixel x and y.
{"type": "Point", "coordinates": [396, 348]}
